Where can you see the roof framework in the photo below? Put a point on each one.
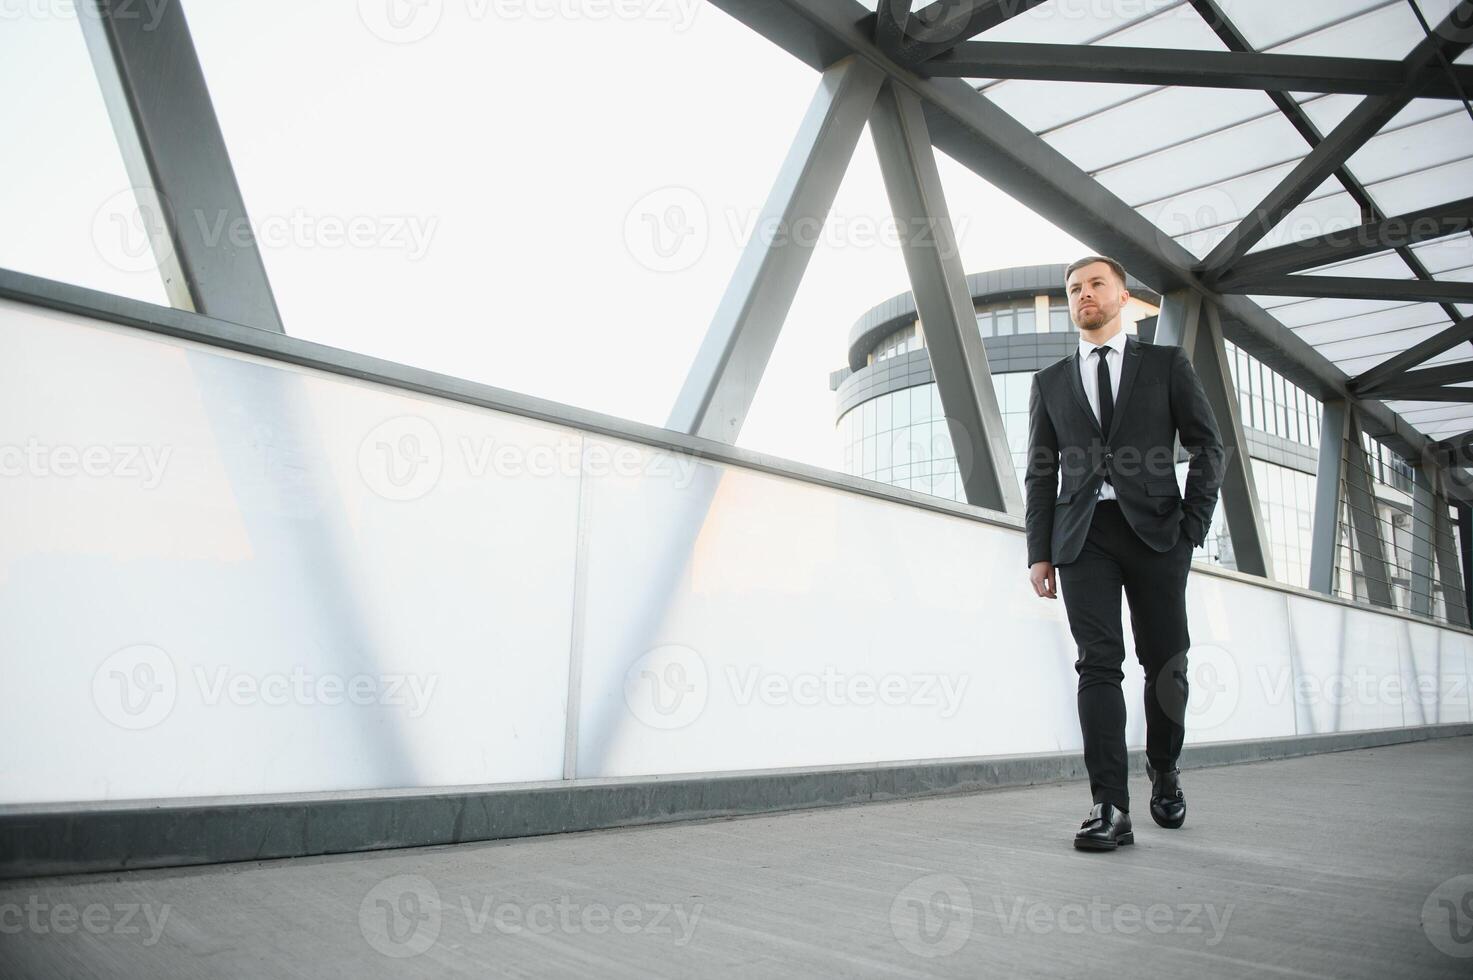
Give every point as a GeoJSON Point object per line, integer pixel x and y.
{"type": "Point", "coordinates": [1303, 167]}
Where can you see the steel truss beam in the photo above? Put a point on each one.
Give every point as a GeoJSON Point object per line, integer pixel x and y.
{"type": "Point", "coordinates": [176, 158]}
{"type": "Point", "coordinates": [1426, 394]}
{"type": "Point", "coordinates": [1195, 69]}
{"type": "Point", "coordinates": [1239, 489]}
{"type": "Point", "coordinates": [1388, 371]}
{"type": "Point", "coordinates": [1329, 478]}
{"type": "Point", "coordinates": [1449, 572]}
{"type": "Point", "coordinates": [1354, 287]}
{"type": "Point", "coordinates": [1424, 505]}
{"type": "Point", "coordinates": [1354, 243]}
{"type": "Point", "coordinates": [722, 382]}
{"type": "Point", "coordinates": [943, 302]}
{"type": "Point", "coordinates": [1443, 374]}
{"type": "Point", "coordinates": [1360, 500]}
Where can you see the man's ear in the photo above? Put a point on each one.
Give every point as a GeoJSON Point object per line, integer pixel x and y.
{"type": "Point", "coordinates": [1124, 296]}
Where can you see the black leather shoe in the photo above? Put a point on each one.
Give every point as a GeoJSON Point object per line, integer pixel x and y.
{"type": "Point", "coordinates": [1168, 803]}
{"type": "Point", "coordinates": [1107, 828]}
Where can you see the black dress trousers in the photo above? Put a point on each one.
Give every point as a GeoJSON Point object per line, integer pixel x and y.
{"type": "Point", "coordinates": [1155, 585]}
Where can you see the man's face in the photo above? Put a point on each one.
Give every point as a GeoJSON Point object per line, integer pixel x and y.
{"type": "Point", "coordinates": [1095, 296]}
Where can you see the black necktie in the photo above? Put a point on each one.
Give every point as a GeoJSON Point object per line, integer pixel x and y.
{"type": "Point", "coordinates": [1107, 397]}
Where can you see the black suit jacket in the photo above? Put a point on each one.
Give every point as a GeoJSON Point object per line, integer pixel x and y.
{"type": "Point", "coordinates": [1160, 397]}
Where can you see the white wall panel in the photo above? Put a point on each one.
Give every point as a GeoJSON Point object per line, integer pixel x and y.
{"type": "Point", "coordinates": [317, 546]}
{"type": "Point", "coordinates": [223, 575]}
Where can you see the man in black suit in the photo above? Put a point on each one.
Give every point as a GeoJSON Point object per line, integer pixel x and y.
{"type": "Point", "coordinates": [1105, 419]}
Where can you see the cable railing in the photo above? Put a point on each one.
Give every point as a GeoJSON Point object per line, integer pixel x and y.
{"type": "Point", "coordinates": [1384, 531]}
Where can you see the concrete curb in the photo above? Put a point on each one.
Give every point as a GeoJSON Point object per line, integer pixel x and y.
{"type": "Point", "coordinates": [57, 839]}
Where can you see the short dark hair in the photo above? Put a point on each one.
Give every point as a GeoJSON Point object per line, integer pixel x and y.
{"type": "Point", "coordinates": [1115, 267]}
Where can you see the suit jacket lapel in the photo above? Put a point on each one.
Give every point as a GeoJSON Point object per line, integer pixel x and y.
{"type": "Point", "coordinates": [1129, 363]}
{"type": "Point", "coordinates": [1077, 387]}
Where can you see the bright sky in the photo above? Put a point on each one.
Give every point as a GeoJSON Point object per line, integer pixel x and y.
{"type": "Point", "coordinates": [472, 187]}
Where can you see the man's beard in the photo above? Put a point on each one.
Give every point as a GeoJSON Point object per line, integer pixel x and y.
{"type": "Point", "coordinates": [1097, 319]}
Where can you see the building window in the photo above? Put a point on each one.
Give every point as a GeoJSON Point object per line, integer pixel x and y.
{"type": "Point", "coordinates": [1058, 318]}
{"type": "Point", "coordinates": [898, 342]}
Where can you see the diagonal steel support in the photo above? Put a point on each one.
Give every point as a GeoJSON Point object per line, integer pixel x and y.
{"type": "Point", "coordinates": [1354, 243]}
{"type": "Point", "coordinates": [1365, 121]}
{"type": "Point", "coordinates": [1465, 542]}
{"type": "Point", "coordinates": [1423, 535]}
{"type": "Point", "coordinates": [1101, 64]}
{"type": "Point", "coordinates": [1177, 323]}
{"type": "Point", "coordinates": [1239, 490]}
{"type": "Point", "coordinates": [1329, 479]}
{"type": "Point", "coordinates": [1360, 500]}
{"type": "Point", "coordinates": [722, 382]}
{"type": "Point", "coordinates": [943, 303]}
{"type": "Point", "coordinates": [176, 157]}
{"type": "Point", "coordinates": [1444, 374]}
{"type": "Point", "coordinates": [1424, 394]}
{"type": "Point", "coordinates": [1449, 569]}
{"type": "Point", "coordinates": [1354, 287]}
{"type": "Point", "coordinates": [1390, 370]}
{"type": "Point", "coordinates": [1177, 326]}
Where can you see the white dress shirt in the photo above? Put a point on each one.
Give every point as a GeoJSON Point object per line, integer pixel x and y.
{"type": "Point", "coordinates": [1089, 374]}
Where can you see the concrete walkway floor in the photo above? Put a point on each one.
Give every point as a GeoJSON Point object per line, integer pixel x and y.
{"type": "Point", "coordinates": [1350, 864]}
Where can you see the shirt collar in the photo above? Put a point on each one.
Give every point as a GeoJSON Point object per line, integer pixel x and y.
{"type": "Point", "coordinates": [1086, 349]}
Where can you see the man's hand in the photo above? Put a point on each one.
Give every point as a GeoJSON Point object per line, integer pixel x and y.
{"type": "Point", "coordinates": [1041, 574]}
